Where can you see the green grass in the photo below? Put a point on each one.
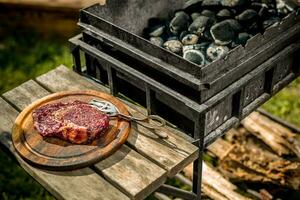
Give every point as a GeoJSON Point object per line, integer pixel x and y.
{"type": "Point", "coordinates": [286, 104]}
{"type": "Point", "coordinates": [16, 184]}
{"type": "Point", "coordinates": [26, 55]}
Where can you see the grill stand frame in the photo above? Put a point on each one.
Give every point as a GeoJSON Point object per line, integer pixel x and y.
{"type": "Point", "coordinates": [200, 140]}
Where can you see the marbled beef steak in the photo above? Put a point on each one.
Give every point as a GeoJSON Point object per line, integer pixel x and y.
{"type": "Point", "coordinates": [76, 122]}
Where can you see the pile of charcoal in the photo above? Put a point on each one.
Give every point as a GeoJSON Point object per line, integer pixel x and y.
{"type": "Point", "coordinates": [205, 30]}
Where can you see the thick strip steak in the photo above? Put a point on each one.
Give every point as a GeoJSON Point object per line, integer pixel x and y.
{"type": "Point", "coordinates": [76, 122]}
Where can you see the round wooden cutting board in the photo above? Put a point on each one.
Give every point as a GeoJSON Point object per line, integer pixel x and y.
{"type": "Point", "coordinates": [56, 154]}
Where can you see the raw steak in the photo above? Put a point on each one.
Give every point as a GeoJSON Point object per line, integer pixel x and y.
{"type": "Point", "coordinates": [76, 122]}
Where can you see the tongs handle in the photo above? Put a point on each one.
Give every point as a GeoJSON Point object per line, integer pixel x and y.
{"type": "Point", "coordinates": [160, 122]}
{"type": "Point", "coordinates": [112, 111]}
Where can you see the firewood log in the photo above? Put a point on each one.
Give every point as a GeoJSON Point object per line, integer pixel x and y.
{"type": "Point", "coordinates": [252, 162]}
{"type": "Point", "coordinates": [280, 139]}
{"type": "Point", "coordinates": [215, 185]}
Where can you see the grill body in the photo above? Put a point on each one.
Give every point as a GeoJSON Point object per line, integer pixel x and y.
{"type": "Point", "coordinates": [204, 101]}
{"type": "Point", "coordinates": [121, 26]}
{"type": "Point", "coordinates": [206, 120]}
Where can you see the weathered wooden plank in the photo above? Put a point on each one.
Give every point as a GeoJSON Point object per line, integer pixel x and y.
{"type": "Point", "coordinates": [221, 147]}
{"type": "Point", "coordinates": [25, 94]}
{"type": "Point", "coordinates": [78, 184]}
{"type": "Point", "coordinates": [132, 173]}
{"type": "Point", "coordinates": [215, 185]}
{"type": "Point", "coordinates": [158, 152]}
{"type": "Point", "coordinates": [63, 79]}
{"type": "Point", "coordinates": [7, 117]}
{"type": "Point", "coordinates": [278, 137]}
{"type": "Point", "coordinates": [173, 153]}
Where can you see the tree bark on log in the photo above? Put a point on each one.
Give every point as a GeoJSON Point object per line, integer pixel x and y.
{"type": "Point", "coordinates": [215, 185]}
{"type": "Point", "coordinates": [251, 153]}
{"type": "Point", "coordinates": [279, 138]}
{"type": "Point", "coordinates": [249, 160]}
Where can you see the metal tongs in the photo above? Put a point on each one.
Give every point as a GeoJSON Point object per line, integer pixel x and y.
{"type": "Point", "coordinates": [111, 110]}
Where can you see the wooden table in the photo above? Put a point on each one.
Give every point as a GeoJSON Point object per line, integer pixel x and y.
{"type": "Point", "coordinates": [136, 170]}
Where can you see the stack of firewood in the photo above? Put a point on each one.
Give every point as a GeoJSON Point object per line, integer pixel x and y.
{"type": "Point", "coordinates": [260, 153]}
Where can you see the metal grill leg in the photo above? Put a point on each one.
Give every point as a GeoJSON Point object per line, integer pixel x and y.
{"type": "Point", "coordinates": [197, 174]}
{"type": "Point", "coordinates": [150, 98]}
{"type": "Point", "coordinates": [176, 192]}
{"type": "Point", "coordinates": [112, 78]}
{"type": "Point", "coordinates": [76, 60]}
{"type": "Point", "coordinates": [89, 60]}
{"type": "Point", "coordinates": [199, 130]}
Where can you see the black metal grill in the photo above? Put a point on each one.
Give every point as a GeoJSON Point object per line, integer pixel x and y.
{"type": "Point", "coordinates": [208, 119]}
{"type": "Point", "coordinates": [203, 101]}
{"type": "Point", "coordinates": [200, 100]}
